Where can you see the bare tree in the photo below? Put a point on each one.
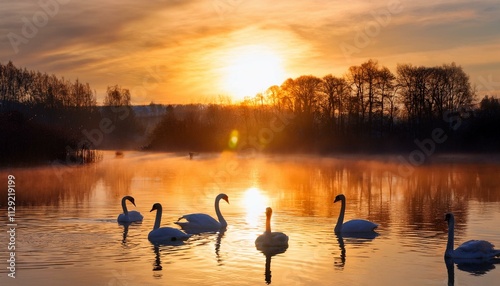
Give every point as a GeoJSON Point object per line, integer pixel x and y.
{"type": "Point", "coordinates": [337, 90]}
{"type": "Point", "coordinates": [370, 73]}
{"type": "Point", "coordinates": [385, 87]}
{"type": "Point", "coordinates": [116, 96]}
{"type": "Point", "coordinates": [413, 83]}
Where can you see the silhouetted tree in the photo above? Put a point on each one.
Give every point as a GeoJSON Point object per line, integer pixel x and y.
{"type": "Point", "coordinates": [118, 109]}
{"type": "Point", "coordinates": [43, 90]}
{"type": "Point", "coordinates": [414, 96]}
{"type": "Point", "coordinates": [385, 86]}
{"type": "Point", "coordinates": [117, 96]}
{"type": "Point", "coordinates": [428, 93]}
{"type": "Point", "coordinates": [337, 90]}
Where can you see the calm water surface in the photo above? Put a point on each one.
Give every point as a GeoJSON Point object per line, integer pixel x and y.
{"type": "Point", "coordinates": [67, 232]}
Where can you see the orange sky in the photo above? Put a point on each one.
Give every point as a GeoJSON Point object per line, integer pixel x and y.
{"type": "Point", "coordinates": [181, 51]}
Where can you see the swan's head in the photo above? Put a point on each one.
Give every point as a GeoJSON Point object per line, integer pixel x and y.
{"type": "Point", "coordinates": [269, 211]}
{"type": "Point", "coordinates": [130, 199]}
{"type": "Point", "coordinates": [156, 206]}
{"type": "Point", "coordinates": [340, 197]}
{"type": "Point", "coordinates": [224, 197]}
{"type": "Point", "coordinates": [448, 217]}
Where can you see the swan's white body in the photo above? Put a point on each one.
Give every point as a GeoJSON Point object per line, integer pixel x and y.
{"type": "Point", "coordinates": [270, 239]}
{"type": "Point", "coordinates": [129, 216]}
{"type": "Point", "coordinates": [167, 235]}
{"type": "Point", "coordinates": [200, 222]}
{"type": "Point", "coordinates": [352, 226]}
{"type": "Point", "coordinates": [472, 249]}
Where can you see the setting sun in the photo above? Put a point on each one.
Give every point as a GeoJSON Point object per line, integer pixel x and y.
{"type": "Point", "coordinates": [250, 70]}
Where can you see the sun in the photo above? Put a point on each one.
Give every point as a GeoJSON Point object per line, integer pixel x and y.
{"type": "Point", "coordinates": [250, 70]}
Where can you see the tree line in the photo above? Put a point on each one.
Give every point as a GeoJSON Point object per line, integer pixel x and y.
{"type": "Point", "coordinates": [369, 108]}
{"type": "Point", "coordinates": [369, 98]}
{"type": "Point", "coordinates": [45, 117]}
{"type": "Point", "coordinates": [36, 88]}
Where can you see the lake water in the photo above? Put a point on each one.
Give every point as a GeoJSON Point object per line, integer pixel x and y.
{"type": "Point", "coordinates": [67, 233]}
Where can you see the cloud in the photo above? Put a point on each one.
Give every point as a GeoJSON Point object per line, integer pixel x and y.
{"type": "Point", "coordinates": [120, 42]}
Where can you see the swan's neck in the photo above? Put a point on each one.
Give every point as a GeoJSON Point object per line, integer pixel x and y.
{"type": "Point", "coordinates": [124, 206]}
{"type": "Point", "coordinates": [338, 227]}
{"type": "Point", "coordinates": [221, 219]}
{"type": "Point", "coordinates": [158, 218]}
{"type": "Point", "coordinates": [268, 223]}
{"type": "Point", "coordinates": [451, 237]}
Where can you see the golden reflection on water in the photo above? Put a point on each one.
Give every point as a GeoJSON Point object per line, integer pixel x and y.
{"type": "Point", "coordinates": [305, 186]}
{"type": "Point", "coordinates": [255, 205]}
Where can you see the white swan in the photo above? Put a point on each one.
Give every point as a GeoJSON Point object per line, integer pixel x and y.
{"type": "Point", "coordinates": [164, 234]}
{"type": "Point", "coordinates": [352, 226]}
{"type": "Point", "coordinates": [271, 239]}
{"type": "Point", "coordinates": [129, 216]}
{"type": "Point", "coordinates": [198, 222]}
{"type": "Point", "coordinates": [472, 249]}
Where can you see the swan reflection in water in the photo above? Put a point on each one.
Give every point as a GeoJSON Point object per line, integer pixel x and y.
{"type": "Point", "coordinates": [339, 262]}
{"type": "Point", "coordinates": [169, 250]}
{"type": "Point", "coordinates": [157, 273]}
{"type": "Point", "coordinates": [220, 234]}
{"type": "Point", "coordinates": [269, 252]}
{"type": "Point", "coordinates": [125, 233]}
{"type": "Point", "coordinates": [476, 267]}
{"type": "Point", "coordinates": [133, 227]}
{"type": "Point", "coordinates": [157, 263]}
{"type": "Point", "coordinates": [352, 238]}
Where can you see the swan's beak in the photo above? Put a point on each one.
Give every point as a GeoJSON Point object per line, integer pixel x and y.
{"type": "Point", "coordinates": [152, 209]}
{"type": "Point", "coordinates": [336, 200]}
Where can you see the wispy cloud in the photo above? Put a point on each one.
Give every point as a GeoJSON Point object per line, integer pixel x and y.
{"type": "Point", "coordinates": [117, 42]}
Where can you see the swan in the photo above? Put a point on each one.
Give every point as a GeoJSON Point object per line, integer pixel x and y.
{"type": "Point", "coordinates": [198, 222]}
{"type": "Point", "coordinates": [269, 240]}
{"type": "Point", "coordinates": [472, 249]}
{"type": "Point", "coordinates": [129, 216]}
{"type": "Point", "coordinates": [164, 234]}
{"type": "Point", "coordinates": [352, 226]}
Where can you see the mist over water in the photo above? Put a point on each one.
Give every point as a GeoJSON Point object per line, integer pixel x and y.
{"type": "Point", "coordinates": [67, 229]}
